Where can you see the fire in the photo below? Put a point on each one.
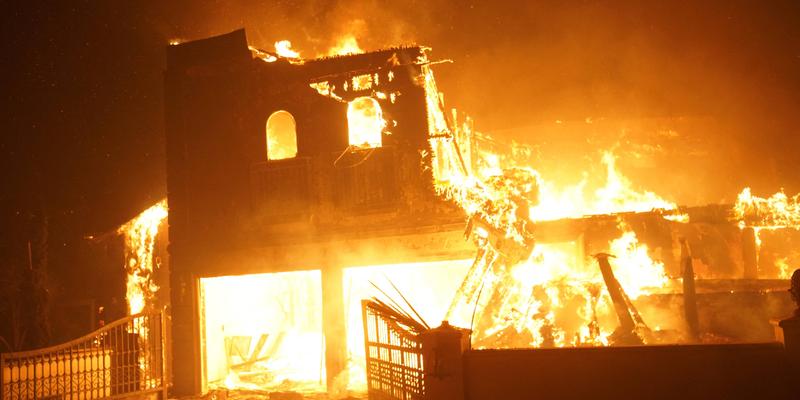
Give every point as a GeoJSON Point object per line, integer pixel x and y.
{"type": "Point", "coordinates": [517, 294]}
{"type": "Point", "coordinates": [365, 123]}
{"type": "Point", "coordinates": [617, 195]}
{"type": "Point", "coordinates": [467, 186]}
{"type": "Point", "coordinates": [140, 236]}
{"type": "Point", "coordinates": [778, 211]}
{"type": "Point", "coordinates": [266, 57]}
{"type": "Point", "coordinates": [264, 331]}
{"type": "Point", "coordinates": [430, 301]}
{"type": "Point", "coordinates": [553, 299]}
{"type": "Point", "coordinates": [634, 268]}
{"type": "Point", "coordinates": [784, 270]}
{"type": "Point", "coordinates": [347, 44]}
{"type": "Point", "coordinates": [548, 303]}
{"type": "Point", "coordinates": [284, 49]}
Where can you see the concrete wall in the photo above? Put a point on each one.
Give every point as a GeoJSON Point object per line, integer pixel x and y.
{"type": "Point", "coordinates": [751, 371]}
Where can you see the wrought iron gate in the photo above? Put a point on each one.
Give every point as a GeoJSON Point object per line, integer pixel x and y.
{"type": "Point", "coordinates": [393, 355]}
{"type": "Point", "coordinates": [121, 358]}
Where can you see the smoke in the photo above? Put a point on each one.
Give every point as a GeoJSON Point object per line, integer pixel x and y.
{"type": "Point", "coordinates": [312, 26]}
{"type": "Point", "coordinates": [520, 67]}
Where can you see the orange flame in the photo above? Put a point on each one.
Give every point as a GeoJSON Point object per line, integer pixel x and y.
{"type": "Point", "coordinates": [776, 211]}
{"type": "Point", "coordinates": [347, 44]}
{"type": "Point", "coordinates": [140, 236]}
{"type": "Point", "coordinates": [533, 299]}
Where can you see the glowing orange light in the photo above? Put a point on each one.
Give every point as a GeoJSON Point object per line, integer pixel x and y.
{"type": "Point", "coordinates": [140, 236]}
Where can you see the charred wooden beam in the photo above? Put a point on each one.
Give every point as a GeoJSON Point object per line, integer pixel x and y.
{"type": "Point", "coordinates": [630, 322]}
{"type": "Point", "coordinates": [689, 292]}
{"type": "Point", "coordinates": [750, 253]}
{"type": "Point", "coordinates": [615, 292]}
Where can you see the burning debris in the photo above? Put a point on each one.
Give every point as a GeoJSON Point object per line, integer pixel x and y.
{"type": "Point", "coordinates": [758, 216]}
{"type": "Point", "coordinates": [503, 205]}
{"type": "Point", "coordinates": [504, 202]}
{"type": "Point", "coordinates": [777, 211]}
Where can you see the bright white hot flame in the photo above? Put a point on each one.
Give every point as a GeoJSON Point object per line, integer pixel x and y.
{"type": "Point", "coordinates": [284, 49]}
{"type": "Point", "coordinates": [633, 267]}
{"type": "Point", "coordinates": [776, 211]}
{"type": "Point", "coordinates": [365, 122]}
{"type": "Point", "coordinates": [264, 331]}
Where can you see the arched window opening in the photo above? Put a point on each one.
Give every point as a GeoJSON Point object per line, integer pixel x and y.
{"type": "Point", "coordinates": [281, 136]}
{"type": "Point", "coordinates": [365, 123]}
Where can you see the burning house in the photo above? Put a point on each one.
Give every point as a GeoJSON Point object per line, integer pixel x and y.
{"type": "Point", "coordinates": [331, 229]}
{"type": "Point", "coordinates": [284, 177]}
{"type": "Point", "coordinates": [297, 185]}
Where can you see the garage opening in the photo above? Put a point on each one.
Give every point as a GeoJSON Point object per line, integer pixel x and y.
{"type": "Point", "coordinates": [263, 331]}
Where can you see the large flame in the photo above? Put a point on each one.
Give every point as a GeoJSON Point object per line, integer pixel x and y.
{"type": "Point", "coordinates": [140, 237]}
{"type": "Point", "coordinates": [778, 211]}
{"type": "Point", "coordinates": [264, 331]}
{"type": "Point", "coordinates": [634, 268]}
{"type": "Point", "coordinates": [346, 44]}
{"type": "Point", "coordinates": [554, 298]}
{"type": "Point", "coordinates": [284, 49]}
{"type": "Point", "coordinates": [517, 294]}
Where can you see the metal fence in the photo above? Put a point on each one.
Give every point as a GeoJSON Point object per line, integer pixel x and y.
{"type": "Point", "coordinates": [124, 357]}
{"type": "Point", "coordinates": [393, 355]}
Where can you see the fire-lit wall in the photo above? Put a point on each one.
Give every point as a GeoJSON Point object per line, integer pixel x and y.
{"type": "Point", "coordinates": [234, 212]}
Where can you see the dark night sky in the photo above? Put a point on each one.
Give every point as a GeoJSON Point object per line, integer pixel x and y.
{"type": "Point", "coordinates": [83, 132]}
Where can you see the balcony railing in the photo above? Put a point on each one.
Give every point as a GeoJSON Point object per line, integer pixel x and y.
{"type": "Point", "coordinates": [281, 189]}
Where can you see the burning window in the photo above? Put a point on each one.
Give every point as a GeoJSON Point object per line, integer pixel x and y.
{"type": "Point", "coordinates": [281, 136]}
{"type": "Point", "coordinates": [365, 123]}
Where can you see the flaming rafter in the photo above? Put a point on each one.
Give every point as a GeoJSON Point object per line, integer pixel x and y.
{"type": "Point", "coordinates": [778, 211]}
